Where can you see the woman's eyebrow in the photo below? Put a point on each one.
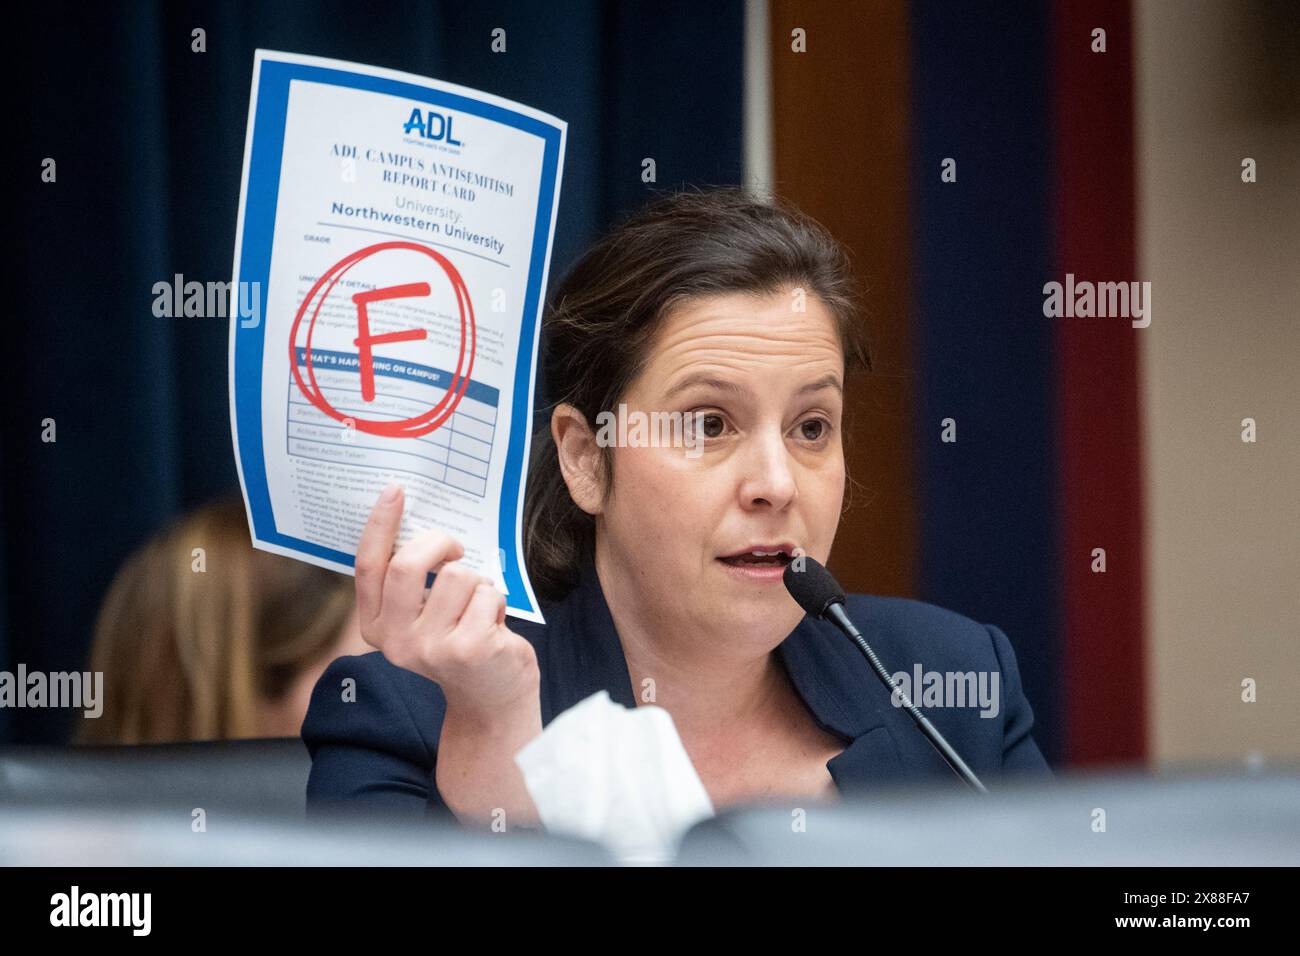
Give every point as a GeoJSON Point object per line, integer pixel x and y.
{"type": "Point", "coordinates": [705, 380]}
{"type": "Point", "coordinates": [830, 380]}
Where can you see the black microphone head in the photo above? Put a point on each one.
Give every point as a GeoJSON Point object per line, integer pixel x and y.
{"type": "Point", "coordinates": [811, 585]}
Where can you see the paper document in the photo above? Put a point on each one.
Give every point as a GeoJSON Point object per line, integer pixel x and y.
{"type": "Point", "coordinates": [394, 237]}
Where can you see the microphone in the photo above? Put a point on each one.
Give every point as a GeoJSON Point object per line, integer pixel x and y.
{"type": "Point", "coordinates": [820, 595]}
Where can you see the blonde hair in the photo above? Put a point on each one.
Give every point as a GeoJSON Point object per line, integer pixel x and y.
{"type": "Point", "coordinates": [190, 642]}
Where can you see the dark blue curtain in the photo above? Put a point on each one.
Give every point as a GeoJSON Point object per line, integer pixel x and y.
{"type": "Point", "coordinates": [148, 137]}
{"type": "Point", "coordinates": [987, 532]}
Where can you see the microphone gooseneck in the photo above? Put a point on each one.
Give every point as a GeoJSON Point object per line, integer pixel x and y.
{"type": "Point", "coordinates": [816, 591]}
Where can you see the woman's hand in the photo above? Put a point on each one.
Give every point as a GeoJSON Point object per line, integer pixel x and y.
{"type": "Point", "coordinates": [456, 637]}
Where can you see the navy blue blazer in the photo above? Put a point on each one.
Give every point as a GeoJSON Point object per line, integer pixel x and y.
{"type": "Point", "coordinates": [378, 750]}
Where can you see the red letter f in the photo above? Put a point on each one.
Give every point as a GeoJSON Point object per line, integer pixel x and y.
{"type": "Point", "coordinates": [366, 342]}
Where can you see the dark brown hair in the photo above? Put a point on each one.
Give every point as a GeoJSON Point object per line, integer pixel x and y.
{"type": "Point", "coordinates": [603, 315]}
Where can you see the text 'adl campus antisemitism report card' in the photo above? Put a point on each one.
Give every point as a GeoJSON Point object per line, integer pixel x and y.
{"type": "Point", "coordinates": [398, 232]}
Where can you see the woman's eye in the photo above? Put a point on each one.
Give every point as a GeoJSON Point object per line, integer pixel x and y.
{"type": "Point", "coordinates": [712, 425]}
{"type": "Point", "coordinates": [814, 429]}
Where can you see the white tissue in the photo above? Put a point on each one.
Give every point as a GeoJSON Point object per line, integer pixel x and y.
{"type": "Point", "coordinates": [617, 776]}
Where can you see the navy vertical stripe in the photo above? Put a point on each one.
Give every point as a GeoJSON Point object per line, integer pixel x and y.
{"type": "Point", "coordinates": [987, 534]}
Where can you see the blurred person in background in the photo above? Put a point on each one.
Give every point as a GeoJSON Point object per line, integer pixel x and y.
{"type": "Point", "coordinates": [221, 643]}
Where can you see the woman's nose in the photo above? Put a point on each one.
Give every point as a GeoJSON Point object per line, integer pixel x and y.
{"type": "Point", "coordinates": [767, 480]}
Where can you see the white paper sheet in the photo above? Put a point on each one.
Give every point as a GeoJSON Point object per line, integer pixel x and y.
{"type": "Point", "coordinates": [391, 258]}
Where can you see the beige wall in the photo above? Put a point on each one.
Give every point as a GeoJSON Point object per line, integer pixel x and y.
{"type": "Point", "coordinates": [1216, 82]}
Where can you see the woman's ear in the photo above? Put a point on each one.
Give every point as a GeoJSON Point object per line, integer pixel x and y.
{"type": "Point", "coordinates": [579, 458]}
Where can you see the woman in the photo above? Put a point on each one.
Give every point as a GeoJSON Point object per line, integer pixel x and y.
{"type": "Point", "coordinates": [201, 637]}
{"type": "Point", "coordinates": [661, 572]}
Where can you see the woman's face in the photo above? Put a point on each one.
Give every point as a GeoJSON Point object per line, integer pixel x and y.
{"type": "Point", "coordinates": [767, 474]}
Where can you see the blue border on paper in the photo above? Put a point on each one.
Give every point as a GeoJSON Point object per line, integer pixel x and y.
{"type": "Point", "coordinates": [255, 266]}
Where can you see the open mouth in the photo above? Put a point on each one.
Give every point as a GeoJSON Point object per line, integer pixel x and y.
{"type": "Point", "coordinates": [759, 559]}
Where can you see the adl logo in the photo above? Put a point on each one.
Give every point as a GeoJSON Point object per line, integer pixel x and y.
{"type": "Point", "coordinates": [432, 126]}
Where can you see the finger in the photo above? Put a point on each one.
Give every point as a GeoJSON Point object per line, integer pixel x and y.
{"type": "Point", "coordinates": [452, 589]}
{"type": "Point", "coordinates": [480, 615]}
{"type": "Point", "coordinates": [374, 549]}
{"type": "Point", "coordinates": [410, 567]}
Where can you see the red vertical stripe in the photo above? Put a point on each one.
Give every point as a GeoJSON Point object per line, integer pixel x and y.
{"type": "Point", "coordinates": [1098, 396]}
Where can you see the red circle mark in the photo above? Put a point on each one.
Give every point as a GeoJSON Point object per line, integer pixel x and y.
{"type": "Point", "coordinates": [425, 422]}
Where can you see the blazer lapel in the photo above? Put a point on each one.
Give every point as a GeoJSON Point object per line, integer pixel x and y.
{"type": "Point", "coordinates": [584, 651]}
{"type": "Point", "coordinates": [846, 698]}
